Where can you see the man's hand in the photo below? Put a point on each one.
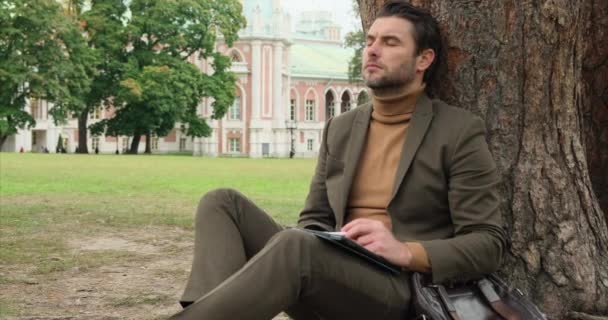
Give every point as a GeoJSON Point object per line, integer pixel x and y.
{"type": "Point", "coordinates": [374, 236]}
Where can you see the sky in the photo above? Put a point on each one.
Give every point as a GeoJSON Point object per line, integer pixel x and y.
{"type": "Point", "coordinates": [342, 11]}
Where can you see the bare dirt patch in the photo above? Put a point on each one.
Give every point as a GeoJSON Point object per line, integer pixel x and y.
{"type": "Point", "coordinates": [145, 286]}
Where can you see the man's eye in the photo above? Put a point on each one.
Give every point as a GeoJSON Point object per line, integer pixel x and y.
{"type": "Point", "coordinates": [391, 42]}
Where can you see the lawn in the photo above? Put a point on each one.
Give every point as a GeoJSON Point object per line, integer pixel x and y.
{"type": "Point", "coordinates": [138, 210]}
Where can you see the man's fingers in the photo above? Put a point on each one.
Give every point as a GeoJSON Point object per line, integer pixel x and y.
{"type": "Point", "coordinates": [358, 230]}
{"type": "Point", "coordinates": [365, 240]}
{"type": "Point", "coordinates": [362, 221]}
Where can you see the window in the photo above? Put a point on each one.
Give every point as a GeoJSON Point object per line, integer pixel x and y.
{"type": "Point", "coordinates": [234, 145]}
{"type": "Point", "coordinates": [332, 110]}
{"type": "Point", "coordinates": [292, 109]}
{"type": "Point", "coordinates": [94, 143]}
{"type": "Point", "coordinates": [35, 108]}
{"type": "Point", "coordinates": [309, 144]}
{"type": "Point", "coordinates": [310, 110]}
{"type": "Point", "coordinates": [38, 108]}
{"type": "Point", "coordinates": [234, 112]}
{"type": "Point", "coordinates": [96, 113]}
{"type": "Point", "coordinates": [182, 143]}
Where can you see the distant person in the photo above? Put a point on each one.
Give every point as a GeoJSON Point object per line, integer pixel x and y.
{"type": "Point", "coordinates": [21, 150]}
{"type": "Point", "coordinates": [428, 203]}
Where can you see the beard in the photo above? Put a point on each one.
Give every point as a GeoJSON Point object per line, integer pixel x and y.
{"type": "Point", "coordinates": [400, 78]}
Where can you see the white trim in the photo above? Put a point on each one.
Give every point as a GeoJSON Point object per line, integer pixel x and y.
{"type": "Point", "coordinates": [267, 81]}
{"type": "Point", "coordinates": [243, 114]}
{"type": "Point", "coordinates": [256, 79]}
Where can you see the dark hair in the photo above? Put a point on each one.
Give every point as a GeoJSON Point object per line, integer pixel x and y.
{"type": "Point", "coordinates": [426, 34]}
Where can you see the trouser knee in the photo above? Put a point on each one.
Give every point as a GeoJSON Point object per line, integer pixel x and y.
{"type": "Point", "coordinates": [295, 247]}
{"type": "Point", "coordinates": [218, 201]}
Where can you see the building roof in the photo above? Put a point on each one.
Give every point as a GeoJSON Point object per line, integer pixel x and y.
{"type": "Point", "coordinates": [319, 60]}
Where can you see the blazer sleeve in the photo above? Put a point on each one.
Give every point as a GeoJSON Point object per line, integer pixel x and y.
{"type": "Point", "coordinates": [317, 212]}
{"type": "Point", "coordinates": [479, 239]}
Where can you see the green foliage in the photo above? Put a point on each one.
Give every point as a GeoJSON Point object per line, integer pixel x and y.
{"type": "Point", "coordinates": [105, 34]}
{"type": "Point", "coordinates": [355, 40]}
{"type": "Point", "coordinates": [159, 87]}
{"type": "Point", "coordinates": [42, 55]}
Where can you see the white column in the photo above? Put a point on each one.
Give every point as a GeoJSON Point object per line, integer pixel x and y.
{"type": "Point", "coordinates": [278, 101]}
{"type": "Point", "coordinates": [256, 92]}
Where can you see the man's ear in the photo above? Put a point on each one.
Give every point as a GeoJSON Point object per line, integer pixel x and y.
{"type": "Point", "coordinates": [425, 59]}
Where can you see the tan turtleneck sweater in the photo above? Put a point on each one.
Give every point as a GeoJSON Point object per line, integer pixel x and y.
{"type": "Point", "coordinates": [373, 184]}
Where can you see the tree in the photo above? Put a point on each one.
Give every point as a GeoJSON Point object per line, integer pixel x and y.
{"type": "Point", "coordinates": [521, 66]}
{"type": "Point", "coordinates": [159, 86]}
{"type": "Point", "coordinates": [42, 56]}
{"type": "Point", "coordinates": [355, 40]}
{"type": "Point", "coordinates": [105, 34]}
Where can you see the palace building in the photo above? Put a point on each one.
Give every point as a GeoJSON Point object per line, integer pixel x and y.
{"type": "Point", "coordinates": [288, 84]}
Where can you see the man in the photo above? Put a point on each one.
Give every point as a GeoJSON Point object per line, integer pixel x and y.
{"type": "Point", "coordinates": [406, 177]}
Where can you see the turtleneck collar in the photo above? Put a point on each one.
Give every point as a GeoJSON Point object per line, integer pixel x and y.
{"type": "Point", "coordinates": [395, 108]}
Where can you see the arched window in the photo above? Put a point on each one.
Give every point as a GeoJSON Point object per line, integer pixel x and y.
{"type": "Point", "coordinates": [330, 104]}
{"type": "Point", "coordinates": [345, 105]}
{"type": "Point", "coordinates": [362, 98]}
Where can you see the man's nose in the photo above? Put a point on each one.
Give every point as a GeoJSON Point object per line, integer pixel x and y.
{"type": "Point", "coordinates": [372, 50]}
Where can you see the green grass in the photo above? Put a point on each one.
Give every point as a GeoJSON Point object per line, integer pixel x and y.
{"type": "Point", "coordinates": [43, 197]}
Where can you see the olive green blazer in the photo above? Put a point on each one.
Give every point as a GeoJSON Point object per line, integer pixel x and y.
{"type": "Point", "coordinates": [445, 191]}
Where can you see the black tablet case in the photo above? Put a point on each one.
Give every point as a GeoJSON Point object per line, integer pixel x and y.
{"type": "Point", "coordinates": [345, 243]}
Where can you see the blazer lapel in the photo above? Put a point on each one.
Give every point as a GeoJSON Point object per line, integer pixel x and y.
{"type": "Point", "coordinates": [419, 125]}
{"type": "Point", "coordinates": [355, 145]}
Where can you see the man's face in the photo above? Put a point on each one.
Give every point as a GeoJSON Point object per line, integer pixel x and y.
{"type": "Point", "coordinates": [389, 57]}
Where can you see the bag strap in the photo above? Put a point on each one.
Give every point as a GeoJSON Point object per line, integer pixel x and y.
{"type": "Point", "coordinates": [487, 289]}
{"type": "Point", "coordinates": [447, 302]}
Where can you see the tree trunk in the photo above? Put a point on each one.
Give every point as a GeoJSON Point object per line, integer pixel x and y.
{"type": "Point", "coordinates": [519, 65]}
{"type": "Point", "coordinates": [135, 143]}
{"type": "Point", "coordinates": [82, 131]}
{"type": "Point", "coordinates": [595, 99]}
{"type": "Point", "coordinates": [148, 143]}
{"type": "Point", "coordinates": [2, 140]}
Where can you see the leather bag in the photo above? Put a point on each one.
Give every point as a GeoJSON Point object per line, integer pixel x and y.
{"type": "Point", "coordinates": [488, 298]}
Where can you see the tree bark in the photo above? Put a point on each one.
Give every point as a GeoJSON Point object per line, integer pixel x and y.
{"type": "Point", "coordinates": [135, 143]}
{"type": "Point", "coordinates": [2, 140]}
{"type": "Point", "coordinates": [82, 131]}
{"type": "Point", "coordinates": [519, 65]}
{"type": "Point", "coordinates": [148, 143]}
{"type": "Point", "coordinates": [595, 98]}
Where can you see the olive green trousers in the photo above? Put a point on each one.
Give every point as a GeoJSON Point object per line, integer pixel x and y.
{"type": "Point", "coordinates": [246, 266]}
